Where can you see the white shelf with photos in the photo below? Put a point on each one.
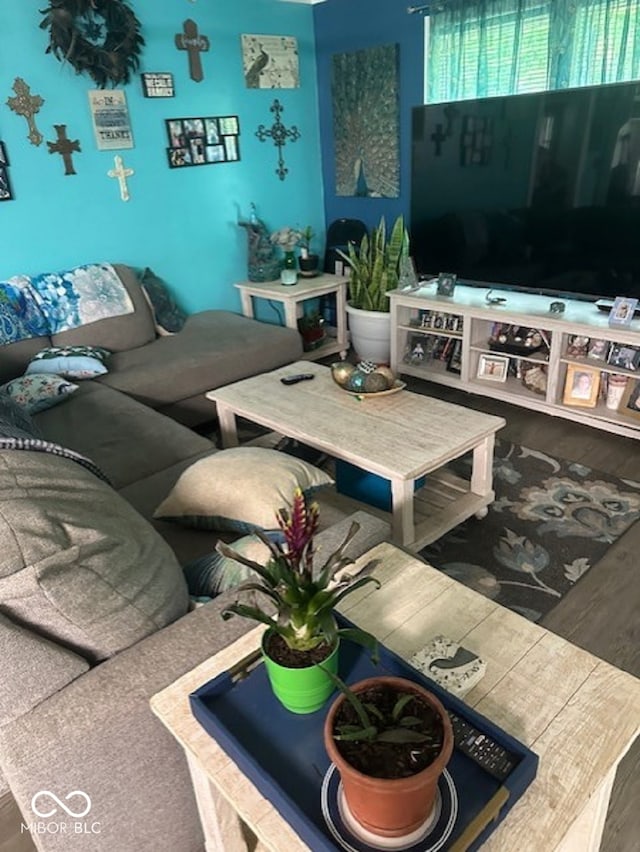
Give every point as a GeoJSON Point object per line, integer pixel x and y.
{"type": "Point", "coordinates": [519, 351]}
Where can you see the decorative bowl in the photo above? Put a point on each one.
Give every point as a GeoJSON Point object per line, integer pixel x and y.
{"type": "Point", "coordinates": [365, 378]}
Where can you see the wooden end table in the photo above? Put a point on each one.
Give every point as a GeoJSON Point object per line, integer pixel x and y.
{"type": "Point", "coordinates": [291, 297]}
{"type": "Point", "coordinates": [578, 713]}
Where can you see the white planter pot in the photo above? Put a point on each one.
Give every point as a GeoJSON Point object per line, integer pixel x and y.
{"type": "Point", "coordinates": [370, 334]}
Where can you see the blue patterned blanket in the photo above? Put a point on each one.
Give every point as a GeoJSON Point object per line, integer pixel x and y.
{"type": "Point", "coordinates": [51, 303]}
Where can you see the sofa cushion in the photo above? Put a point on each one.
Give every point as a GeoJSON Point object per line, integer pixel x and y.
{"type": "Point", "coordinates": [214, 348]}
{"type": "Point", "coordinates": [14, 357]}
{"type": "Point", "coordinates": [239, 489]}
{"type": "Point", "coordinates": [212, 574]}
{"type": "Point", "coordinates": [38, 391]}
{"type": "Point", "coordinates": [128, 441]}
{"type": "Point", "coordinates": [38, 668]}
{"type": "Point", "coordinates": [116, 333]}
{"type": "Point", "coordinates": [77, 563]}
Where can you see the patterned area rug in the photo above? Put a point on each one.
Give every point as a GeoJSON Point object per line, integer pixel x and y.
{"type": "Point", "coordinates": [551, 522]}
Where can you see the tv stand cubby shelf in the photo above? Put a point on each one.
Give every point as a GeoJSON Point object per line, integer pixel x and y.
{"type": "Point", "coordinates": [445, 339]}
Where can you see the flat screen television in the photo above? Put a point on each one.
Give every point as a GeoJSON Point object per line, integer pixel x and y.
{"type": "Point", "coordinates": [538, 191]}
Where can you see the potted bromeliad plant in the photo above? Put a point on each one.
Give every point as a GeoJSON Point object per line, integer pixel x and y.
{"type": "Point", "coordinates": [375, 269]}
{"type": "Point", "coordinates": [390, 739]}
{"type": "Point", "coordinates": [300, 598]}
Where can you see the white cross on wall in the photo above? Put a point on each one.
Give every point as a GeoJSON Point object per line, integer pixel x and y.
{"type": "Point", "coordinates": [122, 174]}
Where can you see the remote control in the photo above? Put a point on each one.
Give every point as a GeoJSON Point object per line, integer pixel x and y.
{"type": "Point", "coordinates": [299, 377]}
{"type": "Point", "coordinates": [484, 751]}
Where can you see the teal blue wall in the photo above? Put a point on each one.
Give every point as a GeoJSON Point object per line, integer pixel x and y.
{"type": "Point", "coordinates": [181, 222]}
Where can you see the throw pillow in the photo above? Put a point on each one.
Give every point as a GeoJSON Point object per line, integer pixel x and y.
{"type": "Point", "coordinates": [72, 362]}
{"type": "Point", "coordinates": [214, 573]}
{"type": "Point", "coordinates": [38, 391]}
{"type": "Point", "coordinates": [169, 317]}
{"type": "Point", "coordinates": [239, 489]}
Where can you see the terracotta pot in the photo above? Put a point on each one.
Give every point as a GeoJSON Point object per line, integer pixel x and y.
{"type": "Point", "coordinates": [390, 807]}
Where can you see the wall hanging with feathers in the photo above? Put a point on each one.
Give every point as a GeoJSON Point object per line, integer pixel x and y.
{"type": "Point", "coordinates": [97, 37]}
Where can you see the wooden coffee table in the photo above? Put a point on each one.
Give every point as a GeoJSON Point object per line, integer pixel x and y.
{"type": "Point", "coordinates": [578, 713]}
{"type": "Point", "coordinates": [401, 437]}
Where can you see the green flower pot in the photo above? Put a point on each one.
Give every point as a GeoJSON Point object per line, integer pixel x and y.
{"type": "Point", "coordinates": [301, 690]}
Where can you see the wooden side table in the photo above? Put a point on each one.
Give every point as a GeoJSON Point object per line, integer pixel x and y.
{"type": "Point", "coordinates": [291, 297]}
{"type": "Point", "coordinates": [578, 713]}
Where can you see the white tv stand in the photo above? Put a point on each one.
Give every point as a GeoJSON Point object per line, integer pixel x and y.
{"type": "Point", "coordinates": [471, 340]}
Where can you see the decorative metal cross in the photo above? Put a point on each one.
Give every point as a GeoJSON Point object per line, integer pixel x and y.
{"type": "Point", "coordinates": [279, 133]}
{"type": "Point", "coordinates": [438, 137]}
{"type": "Point", "coordinates": [122, 174]}
{"type": "Point", "coordinates": [194, 43]}
{"type": "Point", "coordinates": [26, 104]}
{"type": "Point", "coordinates": [65, 147]}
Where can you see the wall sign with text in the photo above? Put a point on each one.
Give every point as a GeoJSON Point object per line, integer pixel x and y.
{"type": "Point", "coordinates": [203, 141]}
{"type": "Point", "coordinates": [111, 123]}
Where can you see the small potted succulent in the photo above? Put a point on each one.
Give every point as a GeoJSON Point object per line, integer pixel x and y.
{"type": "Point", "coordinates": [302, 629]}
{"type": "Point", "coordinates": [390, 739]}
{"type": "Point", "coordinates": [308, 260]}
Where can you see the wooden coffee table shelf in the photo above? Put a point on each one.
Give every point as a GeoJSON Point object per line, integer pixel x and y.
{"type": "Point", "coordinates": [400, 437]}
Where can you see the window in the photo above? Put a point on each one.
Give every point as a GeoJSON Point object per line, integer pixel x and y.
{"type": "Point", "coordinates": [497, 47]}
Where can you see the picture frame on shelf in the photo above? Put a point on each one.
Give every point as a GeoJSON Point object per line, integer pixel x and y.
{"type": "Point", "coordinates": [493, 368]}
{"type": "Point", "coordinates": [623, 356]}
{"type": "Point", "coordinates": [598, 349]}
{"type": "Point", "coordinates": [581, 386]}
{"type": "Point", "coordinates": [416, 350]}
{"type": "Point", "coordinates": [630, 402]}
{"type": "Point", "coordinates": [446, 283]}
{"type": "Point", "coordinates": [577, 346]}
{"type": "Point", "coordinates": [454, 362]}
{"type": "Point", "coordinates": [622, 312]}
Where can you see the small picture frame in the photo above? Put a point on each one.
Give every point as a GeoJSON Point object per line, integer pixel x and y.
{"type": "Point", "coordinates": [630, 402]}
{"type": "Point", "coordinates": [4, 157]}
{"type": "Point", "coordinates": [621, 313]}
{"type": "Point", "coordinates": [624, 356]}
{"type": "Point", "coordinates": [446, 283]}
{"type": "Point", "coordinates": [493, 368]}
{"type": "Point", "coordinates": [577, 346]}
{"type": "Point", "coordinates": [598, 349]}
{"type": "Point", "coordinates": [581, 386]}
{"type": "Point", "coordinates": [417, 346]}
{"type": "Point", "coordinates": [157, 84]}
{"type": "Point", "coordinates": [5, 186]}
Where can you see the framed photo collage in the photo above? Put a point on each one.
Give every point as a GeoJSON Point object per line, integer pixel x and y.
{"type": "Point", "coordinates": [203, 141]}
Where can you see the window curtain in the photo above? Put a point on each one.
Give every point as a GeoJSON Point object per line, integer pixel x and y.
{"type": "Point", "coordinates": [496, 47]}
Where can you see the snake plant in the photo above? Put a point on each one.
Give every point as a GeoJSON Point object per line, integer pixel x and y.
{"type": "Point", "coordinates": [375, 266]}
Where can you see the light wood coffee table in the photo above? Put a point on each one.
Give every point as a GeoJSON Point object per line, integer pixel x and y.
{"type": "Point", "coordinates": [400, 437]}
{"type": "Point", "coordinates": [578, 713]}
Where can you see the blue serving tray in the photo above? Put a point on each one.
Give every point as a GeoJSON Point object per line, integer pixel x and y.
{"type": "Point", "coordinates": [283, 754]}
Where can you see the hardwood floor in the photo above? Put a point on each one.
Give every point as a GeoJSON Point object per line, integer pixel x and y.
{"type": "Point", "coordinates": [602, 612]}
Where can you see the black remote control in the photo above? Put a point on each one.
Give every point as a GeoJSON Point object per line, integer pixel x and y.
{"type": "Point", "coordinates": [484, 751]}
{"type": "Point", "coordinates": [299, 377]}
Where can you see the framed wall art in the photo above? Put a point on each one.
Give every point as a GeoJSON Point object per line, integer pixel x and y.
{"type": "Point", "coordinates": [110, 116]}
{"type": "Point", "coordinates": [5, 186]}
{"type": "Point", "coordinates": [581, 386]}
{"type": "Point", "coordinates": [203, 141]}
{"type": "Point", "coordinates": [157, 84]}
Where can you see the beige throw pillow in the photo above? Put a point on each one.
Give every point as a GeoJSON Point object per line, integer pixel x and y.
{"type": "Point", "coordinates": [239, 489]}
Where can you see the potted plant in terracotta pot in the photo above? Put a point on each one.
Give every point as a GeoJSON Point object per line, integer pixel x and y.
{"type": "Point", "coordinates": [390, 739]}
{"type": "Point", "coordinates": [375, 269]}
{"type": "Point", "coordinates": [302, 629]}
{"type": "Point", "coordinates": [308, 261]}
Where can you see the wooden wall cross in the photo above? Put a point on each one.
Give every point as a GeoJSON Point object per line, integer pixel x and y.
{"type": "Point", "coordinates": [65, 147]}
{"type": "Point", "coordinates": [121, 173]}
{"type": "Point", "coordinates": [438, 137]}
{"type": "Point", "coordinates": [194, 43]}
{"type": "Point", "coordinates": [279, 133]}
{"type": "Point", "coordinates": [26, 104]}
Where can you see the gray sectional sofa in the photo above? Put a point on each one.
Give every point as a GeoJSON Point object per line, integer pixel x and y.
{"type": "Point", "coordinates": [94, 612]}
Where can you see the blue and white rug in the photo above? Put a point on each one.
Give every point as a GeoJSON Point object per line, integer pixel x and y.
{"type": "Point", "coordinates": [552, 520]}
